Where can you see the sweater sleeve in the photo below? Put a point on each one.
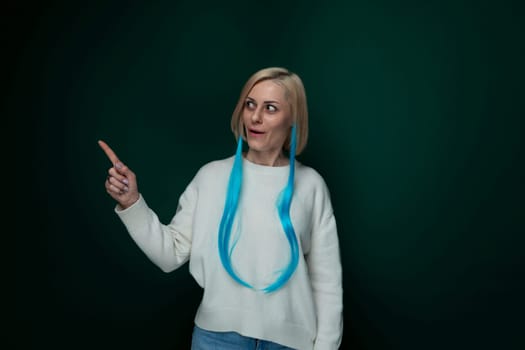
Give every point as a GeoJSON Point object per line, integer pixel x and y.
{"type": "Point", "coordinates": [324, 266]}
{"type": "Point", "coordinates": [167, 246]}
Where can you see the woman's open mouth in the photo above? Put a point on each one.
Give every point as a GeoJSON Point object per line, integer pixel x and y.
{"type": "Point", "coordinates": [254, 132]}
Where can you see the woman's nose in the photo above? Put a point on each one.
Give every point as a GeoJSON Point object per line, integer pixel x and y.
{"type": "Point", "coordinates": [256, 116]}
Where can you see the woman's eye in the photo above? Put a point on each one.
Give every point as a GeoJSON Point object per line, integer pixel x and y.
{"type": "Point", "coordinates": [271, 108]}
{"type": "Point", "coordinates": [250, 104]}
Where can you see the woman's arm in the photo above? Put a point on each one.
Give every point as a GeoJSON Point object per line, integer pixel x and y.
{"type": "Point", "coordinates": [167, 246]}
{"type": "Point", "coordinates": [324, 265]}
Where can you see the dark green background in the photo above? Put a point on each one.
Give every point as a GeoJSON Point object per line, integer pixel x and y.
{"type": "Point", "coordinates": [416, 124]}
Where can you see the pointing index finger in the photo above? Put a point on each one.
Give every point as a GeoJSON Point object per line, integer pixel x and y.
{"type": "Point", "coordinates": [109, 152]}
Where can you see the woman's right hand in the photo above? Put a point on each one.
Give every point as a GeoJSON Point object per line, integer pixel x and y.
{"type": "Point", "coordinates": [121, 183]}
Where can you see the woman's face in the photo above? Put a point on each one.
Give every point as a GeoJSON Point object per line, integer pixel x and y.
{"type": "Point", "coordinates": [267, 119]}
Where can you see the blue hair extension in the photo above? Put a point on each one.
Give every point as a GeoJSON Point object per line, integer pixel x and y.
{"type": "Point", "coordinates": [230, 208]}
{"type": "Point", "coordinates": [283, 205]}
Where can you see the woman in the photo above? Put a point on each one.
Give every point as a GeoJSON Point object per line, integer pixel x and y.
{"type": "Point", "coordinates": [257, 229]}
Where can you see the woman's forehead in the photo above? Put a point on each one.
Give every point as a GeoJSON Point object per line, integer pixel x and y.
{"type": "Point", "coordinates": [267, 90]}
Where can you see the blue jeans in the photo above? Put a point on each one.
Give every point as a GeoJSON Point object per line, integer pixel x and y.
{"type": "Point", "coordinates": [208, 340]}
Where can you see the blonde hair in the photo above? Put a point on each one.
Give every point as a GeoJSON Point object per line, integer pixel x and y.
{"type": "Point", "coordinates": [294, 94]}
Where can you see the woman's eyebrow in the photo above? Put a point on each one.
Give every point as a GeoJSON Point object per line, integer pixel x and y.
{"type": "Point", "coordinates": [267, 101]}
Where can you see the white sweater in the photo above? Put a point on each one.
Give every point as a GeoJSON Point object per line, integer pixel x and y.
{"type": "Point", "coordinates": [306, 313]}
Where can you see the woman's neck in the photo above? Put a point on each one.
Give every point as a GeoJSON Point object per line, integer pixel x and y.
{"type": "Point", "coordinates": [268, 159]}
